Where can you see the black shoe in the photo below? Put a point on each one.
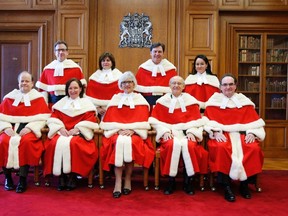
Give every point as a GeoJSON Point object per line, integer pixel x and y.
{"type": "Point", "coordinates": [229, 196]}
{"type": "Point", "coordinates": [188, 188]}
{"type": "Point", "coordinates": [244, 190]}
{"type": "Point", "coordinates": [71, 185]}
{"type": "Point", "coordinates": [117, 194]}
{"type": "Point", "coordinates": [126, 191]}
{"type": "Point", "coordinates": [62, 183]}
{"type": "Point", "coordinates": [22, 185]}
{"type": "Point", "coordinates": [170, 187]}
{"type": "Point", "coordinates": [9, 185]}
{"type": "Point", "coordinates": [188, 185]}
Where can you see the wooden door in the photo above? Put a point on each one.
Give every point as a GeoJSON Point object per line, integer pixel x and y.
{"type": "Point", "coordinates": [19, 52]}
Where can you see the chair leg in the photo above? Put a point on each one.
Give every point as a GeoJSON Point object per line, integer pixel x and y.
{"type": "Point", "coordinates": [257, 184]}
{"type": "Point", "coordinates": [36, 176]}
{"type": "Point", "coordinates": [146, 178]}
{"type": "Point", "coordinates": [211, 181]}
{"type": "Point", "coordinates": [90, 178]}
{"type": "Point", "coordinates": [202, 185]}
{"type": "Point", "coordinates": [157, 172]}
{"type": "Point", "coordinates": [101, 175]}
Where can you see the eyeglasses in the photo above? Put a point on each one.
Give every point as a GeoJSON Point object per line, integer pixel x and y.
{"type": "Point", "coordinates": [227, 84]}
{"type": "Point", "coordinates": [177, 83]}
{"type": "Point", "coordinates": [60, 50]}
{"type": "Point", "coordinates": [127, 82]}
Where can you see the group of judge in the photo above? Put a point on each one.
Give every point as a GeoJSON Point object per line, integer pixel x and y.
{"type": "Point", "coordinates": [126, 107]}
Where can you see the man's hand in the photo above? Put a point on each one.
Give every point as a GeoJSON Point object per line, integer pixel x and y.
{"type": "Point", "coordinates": [220, 137]}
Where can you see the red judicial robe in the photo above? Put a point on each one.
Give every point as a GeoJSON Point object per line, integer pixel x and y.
{"type": "Point", "coordinates": [202, 91]}
{"type": "Point", "coordinates": [118, 149]}
{"type": "Point", "coordinates": [101, 87]}
{"type": "Point", "coordinates": [55, 84]}
{"type": "Point", "coordinates": [235, 117]}
{"type": "Point", "coordinates": [76, 154]}
{"type": "Point", "coordinates": [18, 150]}
{"type": "Point", "coordinates": [154, 79]}
{"type": "Point", "coordinates": [179, 122]}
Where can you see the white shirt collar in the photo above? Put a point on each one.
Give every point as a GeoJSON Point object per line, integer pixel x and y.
{"type": "Point", "coordinates": [59, 69]}
{"type": "Point", "coordinates": [156, 68]}
{"type": "Point", "coordinates": [129, 98]}
{"type": "Point", "coordinates": [201, 78]}
{"type": "Point", "coordinates": [72, 104]}
{"type": "Point", "coordinates": [174, 101]}
{"type": "Point", "coordinates": [19, 97]}
{"type": "Point", "coordinates": [233, 99]}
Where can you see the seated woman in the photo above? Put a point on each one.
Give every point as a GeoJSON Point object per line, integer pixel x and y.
{"type": "Point", "coordinates": [70, 149]}
{"type": "Point", "coordinates": [105, 78]}
{"type": "Point", "coordinates": [125, 126]}
{"type": "Point", "coordinates": [179, 126]}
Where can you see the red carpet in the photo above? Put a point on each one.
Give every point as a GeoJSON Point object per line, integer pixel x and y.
{"type": "Point", "coordinates": [84, 201]}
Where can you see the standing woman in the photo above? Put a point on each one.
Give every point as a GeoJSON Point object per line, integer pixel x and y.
{"type": "Point", "coordinates": [70, 149]}
{"type": "Point", "coordinates": [103, 83]}
{"type": "Point", "coordinates": [125, 141]}
{"type": "Point", "coordinates": [201, 83]}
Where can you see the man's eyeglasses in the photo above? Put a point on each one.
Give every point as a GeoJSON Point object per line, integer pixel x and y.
{"type": "Point", "coordinates": [127, 82]}
{"type": "Point", "coordinates": [177, 83]}
{"type": "Point", "coordinates": [60, 50]}
{"type": "Point", "coordinates": [227, 84]}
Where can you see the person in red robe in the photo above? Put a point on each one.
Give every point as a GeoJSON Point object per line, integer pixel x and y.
{"type": "Point", "coordinates": [153, 75]}
{"type": "Point", "coordinates": [103, 83]}
{"type": "Point", "coordinates": [179, 126]}
{"type": "Point", "coordinates": [57, 73]}
{"type": "Point", "coordinates": [235, 131]}
{"type": "Point", "coordinates": [70, 149]}
{"type": "Point", "coordinates": [201, 83]}
{"type": "Point", "coordinates": [125, 140]}
{"type": "Point", "coordinates": [23, 113]}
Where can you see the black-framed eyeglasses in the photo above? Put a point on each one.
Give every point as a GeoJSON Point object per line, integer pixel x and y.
{"type": "Point", "coordinates": [227, 84]}
{"type": "Point", "coordinates": [60, 50]}
{"type": "Point", "coordinates": [127, 82]}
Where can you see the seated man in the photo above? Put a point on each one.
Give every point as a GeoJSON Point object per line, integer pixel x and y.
{"type": "Point", "coordinates": [179, 125]}
{"type": "Point", "coordinates": [23, 113]}
{"type": "Point", "coordinates": [235, 131]}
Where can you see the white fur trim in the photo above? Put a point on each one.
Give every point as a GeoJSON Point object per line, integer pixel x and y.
{"type": "Point", "coordinates": [186, 158]}
{"type": "Point", "coordinates": [152, 89]}
{"type": "Point", "coordinates": [175, 157]}
{"type": "Point", "coordinates": [123, 150]}
{"type": "Point", "coordinates": [62, 156]}
{"type": "Point", "coordinates": [54, 125]}
{"type": "Point", "coordinates": [98, 102]}
{"type": "Point", "coordinates": [96, 76]}
{"type": "Point", "coordinates": [13, 152]}
{"type": "Point", "coordinates": [118, 126]}
{"type": "Point", "coordinates": [87, 129]}
{"type": "Point", "coordinates": [212, 80]}
{"type": "Point", "coordinates": [149, 65]}
{"type": "Point", "coordinates": [138, 99]}
{"type": "Point", "coordinates": [237, 171]}
{"type": "Point", "coordinates": [4, 125]}
{"type": "Point", "coordinates": [217, 98]}
{"type": "Point", "coordinates": [86, 105]}
{"type": "Point", "coordinates": [165, 100]}
{"type": "Point", "coordinates": [36, 127]}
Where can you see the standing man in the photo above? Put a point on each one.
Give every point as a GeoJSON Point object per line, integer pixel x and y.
{"type": "Point", "coordinates": [153, 75]}
{"type": "Point", "coordinates": [23, 113]}
{"type": "Point", "coordinates": [57, 73]}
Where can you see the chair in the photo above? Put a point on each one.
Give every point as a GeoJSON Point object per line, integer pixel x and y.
{"type": "Point", "coordinates": [255, 181]}
{"type": "Point", "coordinates": [151, 135]}
{"type": "Point", "coordinates": [44, 132]}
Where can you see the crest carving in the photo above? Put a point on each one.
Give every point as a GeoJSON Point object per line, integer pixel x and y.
{"type": "Point", "coordinates": [135, 31]}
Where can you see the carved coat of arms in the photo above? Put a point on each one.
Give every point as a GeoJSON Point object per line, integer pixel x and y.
{"type": "Point", "coordinates": [135, 31]}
